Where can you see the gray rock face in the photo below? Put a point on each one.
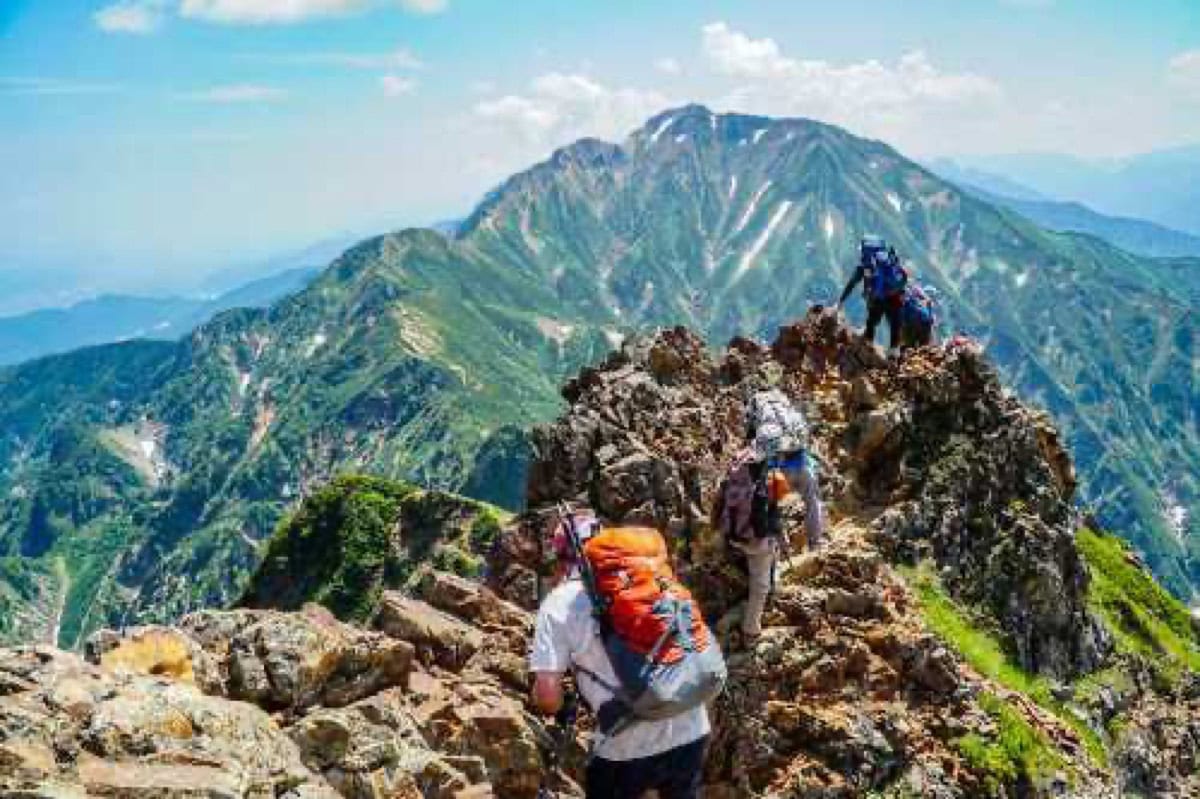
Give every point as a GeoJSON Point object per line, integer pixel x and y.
{"type": "Point", "coordinates": [66, 722]}
{"type": "Point", "coordinates": [986, 493]}
{"type": "Point", "coordinates": [260, 703]}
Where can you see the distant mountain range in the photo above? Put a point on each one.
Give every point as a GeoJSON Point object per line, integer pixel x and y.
{"type": "Point", "coordinates": [117, 317]}
{"type": "Point", "coordinates": [1162, 186]}
{"type": "Point", "coordinates": [139, 478]}
{"type": "Point", "coordinates": [1136, 235]}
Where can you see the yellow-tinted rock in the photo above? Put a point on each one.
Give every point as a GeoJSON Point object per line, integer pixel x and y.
{"type": "Point", "coordinates": [153, 651]}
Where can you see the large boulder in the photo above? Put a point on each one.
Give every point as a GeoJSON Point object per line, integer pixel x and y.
{"type": "Point", "coordinates": [290, 661]}
{"type": "Point", "coordinates": [437, 636]}
{"type": "Point", "coordinates": [70, 726]}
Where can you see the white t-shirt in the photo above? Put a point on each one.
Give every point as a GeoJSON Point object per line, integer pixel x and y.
{"type": "Point", "coordinates": [568, 635]}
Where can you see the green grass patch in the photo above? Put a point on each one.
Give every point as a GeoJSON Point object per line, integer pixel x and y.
{"type": "Point", "coordinates": [1144, 618]}
{"type": "Point", "coordinates": [983, 650]}
{"type": "Point", "coordinates": [1016, 754]}
{"type": "Point", "coordinates": [360, 535]}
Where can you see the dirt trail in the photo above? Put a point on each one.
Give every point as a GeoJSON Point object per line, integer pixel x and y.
{"type": "Point", "coordinates": [64, 582]}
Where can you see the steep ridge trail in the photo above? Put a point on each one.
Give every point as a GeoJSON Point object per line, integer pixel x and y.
{"type": "Point", "coordinates": [63, 576]}
{"type": "Point", "coordinates": [957, 636]}
{"type": "Point", "coordinates": [923, 650]}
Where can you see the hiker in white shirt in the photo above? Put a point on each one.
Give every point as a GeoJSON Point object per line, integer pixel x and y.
{"type": "Point", "coordinates": [663, 755]}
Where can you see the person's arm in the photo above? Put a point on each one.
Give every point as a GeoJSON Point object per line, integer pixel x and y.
{"type": "Point", "coordinates": [854, 280]}
{"type": "Point", "coordinates": [549, 657]}
{"type": "Point", "coordinates": [548, 692]}
{"type": "Point", "coordinates": [814, 513]}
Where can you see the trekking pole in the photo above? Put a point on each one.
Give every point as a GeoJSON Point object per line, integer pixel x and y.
{"type": "Point", "coordinates": [563, 733]}
{"type": "Point", "coordinates": [541, 564]}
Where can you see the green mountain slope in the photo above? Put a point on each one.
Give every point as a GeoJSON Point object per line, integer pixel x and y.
{"type": "Point", "coordinates": [416, 354]}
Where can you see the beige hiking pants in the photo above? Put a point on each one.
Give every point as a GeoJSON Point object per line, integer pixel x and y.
{"type": "Point", "coordinates": [760, 558]}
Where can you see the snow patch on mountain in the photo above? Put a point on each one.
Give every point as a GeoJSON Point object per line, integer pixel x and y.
{"type": "Point", "coordinates": [761, 242]}
{"type": "Point", "coordinates": [749, 212]}
{"type": "Point", "coordinates": [758, 134]}
{"type": "Point", "coordinates": [556, 331]}
{"type": "Point", "coordinates": [1176, 517]}
{"type": "Point", "coordinates": [318, 340]}
{"type": "Point", "coordinates": [732, 186]}
{"type": "Point", "coordinates": [894, 201]}
{"type": "Point", "coordinates": [828, 225]}
{"type": "Point", "coordinates": [661, 129]}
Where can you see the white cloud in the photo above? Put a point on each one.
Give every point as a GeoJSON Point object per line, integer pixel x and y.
{"type": "Point", "coordinates": [281, 12]}
{"type": "Point", "coordinates": [510, 132]}
{"type": "Point", "coordinates": [1183, 74]}
{"type": "Point", "coordinates": [397, 85]}
{"type": "Point", "coordinates": [237, 93]}
{"type": "Point", "coordinates": [668, 66]}
{"type": "Point", "coordinates": [560, 107]}
{"type": "Point", "coordinates": [40, 86]}
{"type": "Point", "coordinates": [130, 16]}
{"type": "Point", "coordinates": [424, 6]}
{"type": "Point", "coordinates": [400, 58]}
{"type": "Point", "coordinates": [867, 96]}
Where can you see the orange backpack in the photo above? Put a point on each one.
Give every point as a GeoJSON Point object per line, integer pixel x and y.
{"type": "Point", "coordinates": [666, 658]}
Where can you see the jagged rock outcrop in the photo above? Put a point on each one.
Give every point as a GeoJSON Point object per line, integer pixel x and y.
{"type": "Point", "coordinates": [927, 458]}
{"type": "Point", "coordinates": [964, 471]}
{"type": "Point", "coordinates": [250, 703]}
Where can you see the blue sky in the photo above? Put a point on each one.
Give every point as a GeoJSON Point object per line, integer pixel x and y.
{"type": "Point", "coordinates": [152, 141]}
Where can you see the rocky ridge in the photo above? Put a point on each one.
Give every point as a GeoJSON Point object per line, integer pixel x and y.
{"type": "Point", "coordinates": [952, 531]}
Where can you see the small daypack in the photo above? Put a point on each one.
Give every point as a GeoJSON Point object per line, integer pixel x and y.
{"type": "Point", "coordinates": [775, 425]}
{"type": "Point", "coordinates": [918, 315]}
{"type": "Point", "coordinates": [745, 502]}
{"type": "Point", "coordinates": [665, 657]}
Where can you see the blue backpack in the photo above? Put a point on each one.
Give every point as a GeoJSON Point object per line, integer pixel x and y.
{"type": "Point", "coordinates": [885, 278]}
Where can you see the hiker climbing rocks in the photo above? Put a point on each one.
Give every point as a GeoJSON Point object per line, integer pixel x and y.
{"type": "Point", "coordinates": [748, 502]}
{"type": "Point", "coordinates": [917, 317]}
{"type": "Point", "coordinates": [641, 654]}
{"type": "Point", "coordinates": [884, 280]}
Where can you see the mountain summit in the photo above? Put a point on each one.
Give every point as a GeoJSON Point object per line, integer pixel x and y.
{"type": "Point", "coordinates": [141, 479]}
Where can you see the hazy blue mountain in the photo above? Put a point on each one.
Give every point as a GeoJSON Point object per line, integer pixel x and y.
{"type": "Point", "coordinates": [1135, 235]}
{"type": "Point", "coordinates": [1162, 187]}
{"type": "Point", "coordinates": [117, 317]}
{"type": "Point", "coordinates": [420, 355]}
{"type": "Point", "coordinates": [25, 289]}
{"type": "Point", "coordinates": [982, 180]}
{"type": "Point", "coordinates": [313, 256]}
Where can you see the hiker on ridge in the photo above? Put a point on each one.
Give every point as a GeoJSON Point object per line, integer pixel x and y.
{"type": "Point", "coordinates": [651, 734]}
{"type": "Point", "coordinates": [918, 317]}
{"type": "Point", "coordinates": [884, 281]}
{"type": "Point", "coordinates": [747, 509]}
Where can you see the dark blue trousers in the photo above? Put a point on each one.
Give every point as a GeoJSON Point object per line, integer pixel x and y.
{"type": "Point", "coordinates": [675, 774]}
